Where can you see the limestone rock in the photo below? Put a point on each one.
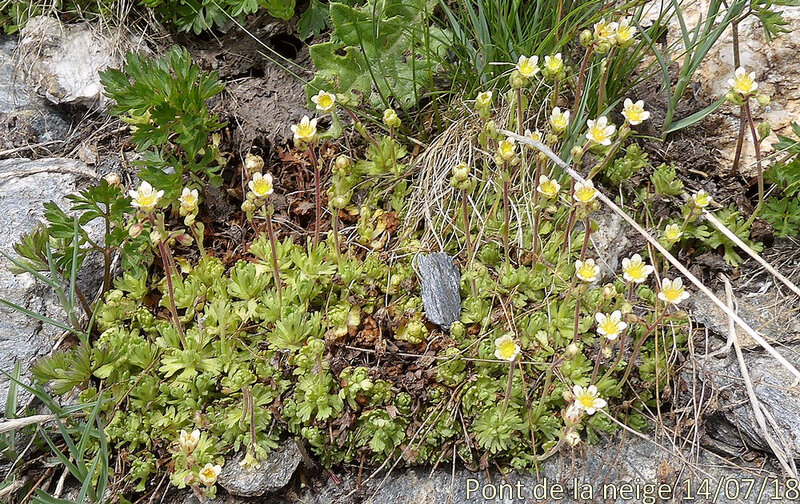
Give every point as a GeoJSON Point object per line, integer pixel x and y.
{"type": "Point", "coordinates": [25, 118]}
{"type": "Point", "coordinates": [24, 187]}
{"type": "Point", "coordinates": [63, 62]}
{"type": "Point", "coordinates": [269, 476]}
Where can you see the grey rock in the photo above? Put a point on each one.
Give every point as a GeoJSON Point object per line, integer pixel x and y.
{"type": "Point", "coordinates": [24, 117]}
{"type": "Point", "coordinates": [774, 386]}
{"type": "Point", "coordinates": [606, 467]}
{"type": "Point", "coordinates": [269, 476]}
{"type": "Point", "coordinates": [441, 280]}
{"type": "Point", "coordinates": [610, 242]}
{"type": "Point", "coordinates": [63, 62]}
{"type": "Point", "coordinates": [24, 187]}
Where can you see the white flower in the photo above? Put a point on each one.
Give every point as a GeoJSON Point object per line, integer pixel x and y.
{"type": "Point", "coordinates": [588, 399]}
{"type": "Point", "coordinates": [507, 149]}
{"type": "Point", "coordinates": [672, 291]}
{"type": "Point", "coordinates": [625, 32]}
{"type": "Point", "coordinates": [506, 348]}
{"type": "Point", "coordinates": [305, 130]}
{"type": "Point", "coordinates": [587, 270]}
{"type": "Point", "coordinates": [743, 83]}
{"type": "Point", "coordinates": [559, 120]}
{"type": "Point", "coordinates": [701, 199]}
{"type": "Point", "coordinates": [188, 200]}
{"type": "Point", "coordinates": [634, 112]}
{"type": "Point", "coordinates": [528, 67]}
{"type": "Point", "coordinates": [534, 135]}
{"type": "Point", "coordinates": [548, 187]}
{"type": "Point", "coordinates": [672, 232]}
{"type": "Point", "coordinates": [585, 192]}
{"type": "Point", "coordinates": [188, 441]}
{"type": "Point", "coordinates": [553, 65]}
{"type": "Point", "coordinates": [324, 101]}
{"type": "Point", "coordinates": [610, 325]}
{"type": "Point", "coordinates": [635, 270]}
{"type": "Point", "coordinates": [600, 131]}
{"type": "Point", "coordinates": [145, 198]}
{"type": "Point", "coordinates": [484, 99]}
{"type": "Point", "coordinates": [605, 31]}
{"type": "Point", "coordinates": [208, 474]}
{"type": "Point", "coordinates": [261, 185]}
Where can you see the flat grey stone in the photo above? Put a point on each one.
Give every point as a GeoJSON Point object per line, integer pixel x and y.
{"type": "Point", "coordinates": [441, 280]}
{"type": "Point", "coordinates": [24, 187]}
{"type": "Point", "coordinates": [269, 476]}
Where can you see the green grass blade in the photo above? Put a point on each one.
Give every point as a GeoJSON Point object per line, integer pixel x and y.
{"type": "Point", "coordinates": [696, 117]}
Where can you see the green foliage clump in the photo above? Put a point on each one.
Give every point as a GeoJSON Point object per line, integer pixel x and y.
{"type": "Point", "coordinates": [783, 211]}
{"type": "Point", "coordinates": [202, 15]}
{"type": "Point", "coordinates": [386, 48]}
{"type": "Point", "coordinates": [165, 102]}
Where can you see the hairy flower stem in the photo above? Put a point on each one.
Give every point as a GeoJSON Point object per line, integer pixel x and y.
{"type": "Point", "coordinates": [581, 76]}
{"type": "Point", "coordinates": [536, 210]}
{"type": "Point", "coordinates": [468, 239]}
{"type": "Point", "coordinates": [507, 224]}
{"type": "Point", "coordinates": [570, 221]}
{"type": "Point", "coordinates": [601, 99]}
{"type": "Point", "coordinates": [361, 130]}
{"type": "Point", "coordinates": [166, 261]}
{"type": "Point", "coordinates": [584, 249]}
{"type": "Point", "coordinates": [508, 387]}
{"type": "Point", "coordinates": [335, 231]}
{"type": "Point", "coordinates": [274, 253]}
{"type": "Point", "coordinates": [757, 147]}
{"type": "Point", "coordinates": [598, 359]}
{"type": "Point", "coordinates": [739, 142]}
{"type": "Point", "coordinates": [317, 195]}
{"type": "Point", "coordinates": [520, 119]}
{"type": "Point", "coordinates": [636, 350]}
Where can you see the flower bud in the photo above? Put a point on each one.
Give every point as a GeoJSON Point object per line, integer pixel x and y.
{"type": "Point", "coordinates": [390, 118]}
{"type": "Point", "coordinates": [342, 166]}
{"type": "Point", "coordinates": [184, 239]}
{"type": "Point", "coordinates": [609, 291]}
{"type": "Point", "coordinates": [112, 179]}
{"type": "Point", "coordinates": [155, 236]}
{"type": "Point", "coordinates": [603, 47]}
{"type": "Point", "coordinates": [571, 350]}
{"type": "Point", "coordinates": [764, 129]}
{"type": "Point", "coordinates": [586, 38]}
{"type": "Point", "coordinates": [763, 99]}
{"type": "Point", "coordinates": [576, 152]}
{"type": "Point", "coordinates": [136, 230]}
{"type": "Point", "coordinates": [253, 163]}
{"type": "Point", "coordinates": [572, 415]}
{"type": "Point", "coordinates": [248, 206]}
{"type": "Point", "coordinates": [516, 80]}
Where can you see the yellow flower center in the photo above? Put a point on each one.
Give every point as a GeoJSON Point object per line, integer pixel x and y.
{"type": "Point", "coordinates": [507, 349]}
{"type": "Point", "coordinates": [605, 30]}
{"type": "Point", "coordinates": [306, 130]}
{"type": "Point", "coordinates": [598, 134]}
{"type": "Point", "coordinates": [585, 194]}
{"type": "Point", "coordinates": [586, 271]}
{"type": "Point", "coordinates": [549, 188]}
{"type": "Point", "coordinates": [526, 67]}
{"type": "Point", "coordinates": [609, 327]}
{"type": "Point", "coordinates": [636, 271]}
{"type": "Point", "coordinates": [325, 102]}
{"type": "Point", "coordinates": [624, 33]}
{"type": "Point", "coordinates": [586, 401]}
{"type": "Point", "coordinates": [744, 84]}
{"type": "Point", "coordinates": [146, 200]}
{"type": "Point", "coordinates": [262, 187]}
{"type": "Point", "coordinates": [672, 294]}
{"type": "Point", "coordinates": [559, 122]}
{"type": "Point", "coordinates": [506, 150]}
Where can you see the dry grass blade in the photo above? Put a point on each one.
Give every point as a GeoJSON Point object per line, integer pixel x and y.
{"type": "Point", "coordinates": [752, 253]}
{"type": "Point", "coordinates": [781, 451]}
{"type": "Point", "coordinates": [675, 262]}
{"type": "Point", "coordinates": [18, 423]}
